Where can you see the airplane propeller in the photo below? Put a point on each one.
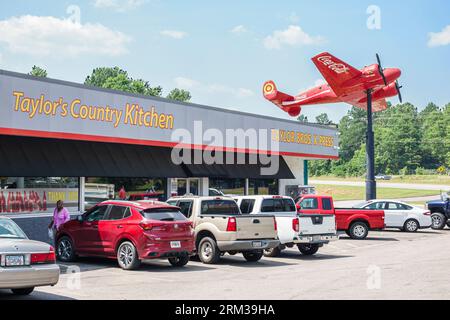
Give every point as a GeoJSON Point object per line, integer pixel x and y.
{"type": "Point", "coordinates": [381, 70]}
{"type": "Point", "coordinates": [398, 87]}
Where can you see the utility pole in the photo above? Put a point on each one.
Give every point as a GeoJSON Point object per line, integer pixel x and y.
{"type": "Point", "coordinates": [371, 185]}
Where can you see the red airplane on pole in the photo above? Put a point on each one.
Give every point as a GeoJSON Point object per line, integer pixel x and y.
{"type": "Point", "coordinates": [344, 84]}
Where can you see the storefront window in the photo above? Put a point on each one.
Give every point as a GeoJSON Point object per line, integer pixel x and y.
{"type": "Point", "coordinates": [38, 194]}
{"type": "Point", "coordinates": [263, 187]}
{"type": "Point", "coordinates": [134, 189]}
{"type": "Point", "coordinates": [226, 186]}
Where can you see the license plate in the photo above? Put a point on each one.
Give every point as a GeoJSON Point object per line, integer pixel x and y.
{"type": "Point", "coordinates": [257, 244]}
{"type": "Point", "coordinates": [14, 261]}
{"type": "Point", "coordinates": [316, 238]}
{"type": "Point", "coordinates": [175, 244]}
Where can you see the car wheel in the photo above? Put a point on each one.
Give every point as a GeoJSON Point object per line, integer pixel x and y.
{"type": "Point", "coordinates": [411, 225]}
{"type": "Point", "coordinates": [127, 256]}
{"type": "Point", "coordinates": [65, 250]}
{"type": "Point", "coordinates": [359, 231]}
{"type": "Point", "coordinates": [273, 252]}
{"type": "Point", "coordinates": [438, 221]}
{"type": "Point", "coordinates": [179, 261]}
{"type": "Point", "coordinates": [308, 249]}
{"type": "Point", "coordinates": [22, 291]}
{"type": "Point", "coordinates": [253, 256]}
{"type": "Point", "coordinates": [208, 251]}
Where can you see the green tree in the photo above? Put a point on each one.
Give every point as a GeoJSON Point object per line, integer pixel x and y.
{"type": "Point", "coordinates": [118, 79]}
{"type": "Point", "coordinates": [179, 95]}
{"type": "Point", "coordinates": [323, 119]}
{"type": "Point", "coordinates": [303, 118]}
{"type": "Point", "coordinates": [38, 72]}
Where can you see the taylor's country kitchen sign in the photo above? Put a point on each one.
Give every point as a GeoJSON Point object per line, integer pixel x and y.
{"type": "Point", "coordinates": [49, 108]}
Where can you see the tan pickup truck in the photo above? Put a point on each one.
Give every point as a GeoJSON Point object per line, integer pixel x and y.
{"type": "Point", "coordinates": [221, 228]}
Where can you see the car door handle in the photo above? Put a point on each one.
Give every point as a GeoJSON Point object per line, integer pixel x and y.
{"type": "Point", "coordinates": [119, 227]}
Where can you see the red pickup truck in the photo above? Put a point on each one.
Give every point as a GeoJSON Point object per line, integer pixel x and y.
{"type": "Point", "coordinates": [355, 222]}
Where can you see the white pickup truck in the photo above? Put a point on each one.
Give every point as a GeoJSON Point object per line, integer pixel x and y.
{"type": "Point", "coordinates": [308, 232]}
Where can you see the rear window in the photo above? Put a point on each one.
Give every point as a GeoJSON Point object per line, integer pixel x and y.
{"type": "Point", "coordinates": [247, 206]}
{"type": "Point", "coordinates": [225, 207]}
{"type": "Point", "coordinates": [326, 203]}
{"type": "Point", "coordinates": [163, 214]}
{"type": "Point", "coordinates": [278, 205]}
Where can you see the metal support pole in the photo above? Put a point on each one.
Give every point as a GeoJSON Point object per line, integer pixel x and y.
{"type": "Point", "coordinates": [371, 186]}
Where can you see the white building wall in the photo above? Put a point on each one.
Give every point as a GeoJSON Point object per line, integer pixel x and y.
{"type": "Point", "coordinates": [297, 166]}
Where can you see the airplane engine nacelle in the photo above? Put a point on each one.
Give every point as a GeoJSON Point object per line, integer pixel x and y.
{"type": "Point", "coordinates": [386, 92]}
{"type": "Point", "coordinates": [295, 112]}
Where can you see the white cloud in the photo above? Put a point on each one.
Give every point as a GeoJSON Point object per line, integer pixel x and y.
{"type": "Point", "coordinates": [239, 29]}
{"type": "Point", "coordinates": [119, 5]}
{"type": "Point", "coordinates": [292, 36]}
{"type": "Point", "coordinates": [185, 83]}
{"type": "Point", "coordinates": [50, 36]}
{"type": "Point", "coordinates": [439, 38]}
{"type": "Point", "coordinates": [190, 84]}
{"type": "Point", "coordinates": [174, 34]}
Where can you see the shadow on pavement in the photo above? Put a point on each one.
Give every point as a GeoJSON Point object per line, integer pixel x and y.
{"type": "Point", "coordinates": [316, 257]}
{"type": "Point", "coordinates": [92, 264]}
{"type": "Point", "coordinates": [239, 261]}
{"type": "Point", "coordinates": [36, 295]}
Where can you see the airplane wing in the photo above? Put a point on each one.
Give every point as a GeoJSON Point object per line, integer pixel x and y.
{"type": "Point", "coordinates": [335, 71]}
{"type": "Point", "coordinates": [377, 106]}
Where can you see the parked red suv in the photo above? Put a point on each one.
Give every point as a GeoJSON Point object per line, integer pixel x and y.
{"type": "Point", "coordinates": [130, 232]}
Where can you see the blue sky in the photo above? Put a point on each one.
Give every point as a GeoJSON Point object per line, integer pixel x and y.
{"type": "Point", "coordinates": [224, 51]}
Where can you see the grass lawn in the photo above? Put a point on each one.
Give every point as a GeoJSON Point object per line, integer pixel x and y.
{"type": "Point", "coordinates": [428, 179]}
{"type": "Point", "coordinates": [340, 193]}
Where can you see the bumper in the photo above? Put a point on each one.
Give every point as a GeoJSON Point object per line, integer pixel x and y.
{"type": "Point", "coordinates": [27, 277]}
{"type": "Point", "coordinates": [247, 245]}
{"type": "Point", "coordinates": [316, 239]}
{"type": "Point", "coordinates": [163, 250]}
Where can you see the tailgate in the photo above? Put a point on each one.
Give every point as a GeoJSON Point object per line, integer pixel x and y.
{"type": "Point", "coordinates": [315, 224]}
{"type": "Point", "coordinates": [255, 227]}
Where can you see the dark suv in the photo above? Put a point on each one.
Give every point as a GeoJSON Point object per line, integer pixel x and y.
{"type": "Point", "coordinates": [440, 212]}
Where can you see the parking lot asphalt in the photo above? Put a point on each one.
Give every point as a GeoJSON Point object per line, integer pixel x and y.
{"type": "Point", "coordinates": [388, 265]}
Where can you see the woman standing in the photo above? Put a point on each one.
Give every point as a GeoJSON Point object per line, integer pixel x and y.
{"type": "Point", "coordinates": [60, 216]}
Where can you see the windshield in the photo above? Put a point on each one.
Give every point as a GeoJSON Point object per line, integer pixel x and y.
{"type": "Point", "coordinates": [361, 204]}
{"type": "Point", "coordinates": [163, 214]}
{"type": "Point", "coordinates": [8, 229]}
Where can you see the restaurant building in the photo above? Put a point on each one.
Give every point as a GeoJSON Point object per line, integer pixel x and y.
{"type": "Point", "coordinates": [59, 139]}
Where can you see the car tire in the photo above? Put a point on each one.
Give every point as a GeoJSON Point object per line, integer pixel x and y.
{"type": "Point", "coordinates": [65, 250]}
{"type": "Point", "coordinates": [180, 261]}
{"type": "Point", "coordinates": [22, 291]}
{"type": "Point", "coordinates": [127, 256]}
{"type": "Point", "coordinates": [208, 251]}
{"type": "Point", "coordinates": [308, 249]}
{"type": "Point", "coordinates": [411, 225]}
{"type": "Point", "coordinates": [253, 256]}
{"type": "Point", "coordinates": [438, 221]}
{"type": "Point", "coordinates": [273, 252]}
{"type": "Point", "coordinates": [359, 230]}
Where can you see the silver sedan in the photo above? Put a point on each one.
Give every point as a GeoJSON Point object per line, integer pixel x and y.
{"type": "Point", "coordinates": [24, 264]}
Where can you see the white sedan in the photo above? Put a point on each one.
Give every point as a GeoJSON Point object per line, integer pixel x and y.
{"type": "Point", "coordinates": [400, 215]}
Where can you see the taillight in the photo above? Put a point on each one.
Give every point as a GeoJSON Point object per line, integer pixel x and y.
{"type": "Point", "coordinates": [42, 258]}
{"type": "Point", "coordinates": [275, 223]}
{"type": "Point", "coordinates": [147, 226]}
{"type": "Point", "coordinates": [428, 213]}
{"type": "Point", "coordinates": [231, 226]}
{"type": "Point", "coordinates": [296, 225]}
